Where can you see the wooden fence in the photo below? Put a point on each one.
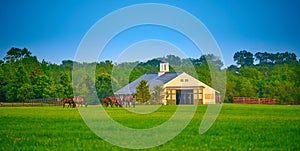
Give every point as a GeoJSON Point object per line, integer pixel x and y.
{"type": "Point", "coordinates": [34, 102]}
{"type": "Point", "coordinates": [249, 100]}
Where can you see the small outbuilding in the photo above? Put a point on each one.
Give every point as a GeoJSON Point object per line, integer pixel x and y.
{"type": "Point", "coordinates": [180, 87]}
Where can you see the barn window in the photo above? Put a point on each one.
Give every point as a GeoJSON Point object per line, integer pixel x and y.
{"type": "Point", "coordinates": [186, 80]}
{"type": "Point", "coordinates": [181, 80]}
{"type": "Point", "coordinates": [171, 97]}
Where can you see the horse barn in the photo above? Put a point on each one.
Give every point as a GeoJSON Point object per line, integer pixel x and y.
{"type": "Point", "coordinates": [180, 87]}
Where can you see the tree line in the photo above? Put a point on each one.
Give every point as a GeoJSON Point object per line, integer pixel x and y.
{"type": "Point", "coordinates": [23, 77]}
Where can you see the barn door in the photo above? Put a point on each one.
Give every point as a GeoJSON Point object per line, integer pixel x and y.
{"type": "Point", "coordinates": [184, 97]}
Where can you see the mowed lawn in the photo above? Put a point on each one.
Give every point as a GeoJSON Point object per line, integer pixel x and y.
{"type": "Point", "coordinates": [238, 127]}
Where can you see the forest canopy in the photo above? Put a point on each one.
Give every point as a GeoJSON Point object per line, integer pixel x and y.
{"type": "Point", "coordinates": [260, 75]}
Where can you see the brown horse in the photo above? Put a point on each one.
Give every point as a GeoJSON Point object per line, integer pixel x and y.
{"type": "Point", "coordinates": [105, 102]}
{"type": "Point", "coordinates": [112, 101]}
{"type": "Point", "coordinates": [70, 101]}
{"type": "Point", "coordinates": [129, 100]}
{"type": "Point", "coordinates": [80, 101]}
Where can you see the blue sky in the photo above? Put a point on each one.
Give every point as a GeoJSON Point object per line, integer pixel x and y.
{"type": "Point", "coordinates": [53, 29]}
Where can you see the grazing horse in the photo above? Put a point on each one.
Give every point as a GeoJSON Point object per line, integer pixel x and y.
{"type": "Point", "coordinates": [112, 101]}
{"type": "Point", "coordinates": [70, 101]}
{"type": "Point", "coordinates": [80, 101]}
{"type": "Point", "coordinates": [105, 102]}
{"type": "Point", "coordinates": [129, 100]}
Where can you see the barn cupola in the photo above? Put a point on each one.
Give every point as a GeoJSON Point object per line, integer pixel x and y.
{"type": "Point", "coordinates": [164, 67]}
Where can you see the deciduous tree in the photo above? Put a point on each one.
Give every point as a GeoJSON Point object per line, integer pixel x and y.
{"type": "Point", "coordinates": [243, 58]}
{"type": "Point", "coordinates": [158, 94]}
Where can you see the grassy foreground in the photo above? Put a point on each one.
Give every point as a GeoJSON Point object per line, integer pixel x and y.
{"type": "Point", "coordinates": [238, 127]}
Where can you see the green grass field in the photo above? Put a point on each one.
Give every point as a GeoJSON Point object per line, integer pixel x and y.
{"type": "Point", "coordinates": [238, 127]}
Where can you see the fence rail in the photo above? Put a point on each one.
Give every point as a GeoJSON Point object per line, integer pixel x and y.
{"type": "Point", "coordinates": [34, 102]}
{"type": "Point", "coordinates": [249, 100]}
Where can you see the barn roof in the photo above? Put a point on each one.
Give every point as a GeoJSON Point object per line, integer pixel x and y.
{"type": "Point", "coordinates": [153, 80]}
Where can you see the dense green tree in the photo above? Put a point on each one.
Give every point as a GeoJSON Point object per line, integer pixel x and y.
{"type": "Point", "coordinates": [2, 84]}
{"type": "Point", "coordinates": [153, 62]}
{"type": "Point", "coordinates": [278, 58]}
{"type": "Point", "coordinates": [158, 94]}
{"type": "Point", "coordinates": [231, 86]}
{"type": "Point", "coordinates": [143, 91]}
{"type": "Point", "coordinates": [25, 92]}
{"type": "Point", "coordinates": [67, 65]}
{"type": "Point", "coordinates": [264, 58]}
{"type": "Point", "coordinates": [187, 61]}
{"type": "Point", "coordinates": [22, 76]}
{"type": "Point", "coordinates": [243, 58]}
{"type": "Point", "coordinates": [173, 60]}
{"type": "Point", "coordinates": [233, 68]}
{"type": "Point", "coordinates": [213, 61]}
{"type": "Point", "coordinates": [15, 54]}
{"type": "Point", "coordinates": [59, 90]}
{"type": "Point", "coordinates": [16, 87]}
{"type": "Point", "coordinates": [43, 86]}
{"type": "Point", "coordinates": [246, 88]}
{"type": "Point", "coordinates": [65, 82]}
{"type": "Point", "coordinates": [84, 85]}
{"type": "Point", "coordinates": [285, 58]}
{"type": "Point", "coordinates": [103, 85]}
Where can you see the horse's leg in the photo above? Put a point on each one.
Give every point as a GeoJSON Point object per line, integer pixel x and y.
{"type": "Point", "coordinates": [105, 103]}
{"type": "Point", "coordinates": [119, 104]}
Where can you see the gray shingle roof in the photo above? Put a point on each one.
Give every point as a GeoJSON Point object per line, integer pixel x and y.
{"type": "Point", "coordinates": [153, 80]}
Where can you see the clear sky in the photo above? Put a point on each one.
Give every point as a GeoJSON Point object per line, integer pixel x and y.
{"type": "Point", "coordinates": [53, 29]}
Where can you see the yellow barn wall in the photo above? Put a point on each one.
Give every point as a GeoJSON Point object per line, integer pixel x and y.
{"type": "Point", "coordinates": [208, 92]}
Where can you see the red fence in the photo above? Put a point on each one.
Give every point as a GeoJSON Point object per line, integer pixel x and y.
{"type": "Point", "coordinates": [249, 100]}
